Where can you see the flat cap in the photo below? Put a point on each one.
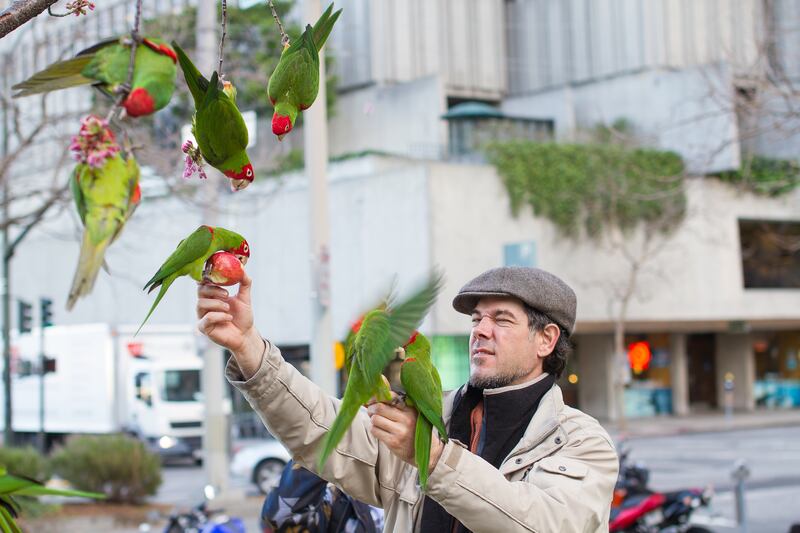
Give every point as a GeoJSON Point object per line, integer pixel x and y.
{"type": "Point", "coordinates": [541, 290]}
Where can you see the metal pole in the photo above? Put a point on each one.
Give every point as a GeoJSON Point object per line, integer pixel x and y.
{"type": "Point", "coordinates": [739, 474]}
{"type": "Point", "coordinates": [315, 135]}
{"type": "Point", "coordinates": [215, 438]}
{"type": "Point", "coordinates": [8, 432]}
{"type": "Point", "coordinates": [42, 440]}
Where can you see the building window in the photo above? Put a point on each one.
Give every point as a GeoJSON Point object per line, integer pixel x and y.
{"type": "Point", "coordinates": [777, 355]}
{"type": "Point", "coordinates": [649, 392]}
{"type": "Point", "coordinates": [770, 254]}
{"type": "Point", "coordinates": [521, 254]}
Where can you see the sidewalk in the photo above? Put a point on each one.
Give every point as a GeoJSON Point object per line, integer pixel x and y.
{"type": "Point", "coordinates": [661, 426]}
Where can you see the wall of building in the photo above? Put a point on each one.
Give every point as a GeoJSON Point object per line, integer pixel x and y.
{"type": "Point", "coordinates": [734, 355]}
{"type": "Point", "coordinates": [693, 279]}
{"type": "Point", "coordinates": [395, 41]}
{"type": "Point", "coordinates": [689, 111]}
{"type": "Point", "coordinates": [557, 42]}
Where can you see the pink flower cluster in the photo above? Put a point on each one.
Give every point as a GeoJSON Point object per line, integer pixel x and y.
{"type": "Point", "coordinates": [94, 143]}
{"type": "Point", "coordinates": [79, 7]}
{"type": "Point", "coordinates": [194, 161]}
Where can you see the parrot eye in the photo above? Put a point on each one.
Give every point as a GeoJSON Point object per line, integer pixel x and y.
{"type": "Point", "coordinates": [286, 128]}
{"type": "Point", "coordinates": [249, 173]}
{"type": "Point", "coordinates": [246, 248]}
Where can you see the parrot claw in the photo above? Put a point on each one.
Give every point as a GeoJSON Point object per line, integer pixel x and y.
{"type": "Point", "coordinates": [399, 399]}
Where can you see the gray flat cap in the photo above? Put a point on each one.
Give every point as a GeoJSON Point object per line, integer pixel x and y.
{"type": "Point", "coordinates": [541, 290]}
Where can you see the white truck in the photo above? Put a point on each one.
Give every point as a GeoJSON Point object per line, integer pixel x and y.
{"type": "Point", "coordinates": [106, 380]}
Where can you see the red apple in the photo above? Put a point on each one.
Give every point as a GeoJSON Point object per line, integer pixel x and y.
{"type": "Point", "coordinates": [223, 268]}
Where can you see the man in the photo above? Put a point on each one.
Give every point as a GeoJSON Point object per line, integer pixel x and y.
{"type": "Point", "coordinates": [518, 459]}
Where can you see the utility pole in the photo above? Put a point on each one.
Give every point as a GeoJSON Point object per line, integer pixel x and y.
{"type": "Point", "coordinates": [215, 437]}
{"type": "Point", "coordinates": [8, 432]}
{"type": "Point", "coordinates": [315, 136]}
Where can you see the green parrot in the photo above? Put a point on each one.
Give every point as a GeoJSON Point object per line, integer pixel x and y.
{"type": "Point", "coordinates": [294, 84]}
{"type": "Point", "coordinates": [106, 198]}
{"type": "Point", "coordinates": [105, 65]}
{"type": "Point", "coordinates": [190, 257]}
{"type": "Point", "coordinates": [13, 486]}
{"type": "Point", "coordinates": [423, 388]}
{"type": "Point", "coordinates": [218, 125]}
{"type": "Point", "coordinates": [382, 331]}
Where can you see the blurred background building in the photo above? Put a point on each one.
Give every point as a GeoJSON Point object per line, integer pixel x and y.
{"type": "Point", "coordinates": [421, 85]}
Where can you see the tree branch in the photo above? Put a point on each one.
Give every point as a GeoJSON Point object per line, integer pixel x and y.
{"type": "Point", "coordinates": [284, 36]}
{"type": "Point", "coordinates": [224, 32]}
{"type": "Point", "coordinates": [20, 12]}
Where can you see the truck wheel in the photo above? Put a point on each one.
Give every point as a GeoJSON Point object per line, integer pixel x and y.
{"type": "Point", "coordinates": [267, 474]}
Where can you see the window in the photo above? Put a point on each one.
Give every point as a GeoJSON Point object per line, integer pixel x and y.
{"type": "Point", "coordinates": [143, 390]}
{"type": "Point", "coordinates": [770, 254]}
{"type": "Point", "coordinates": [520, 254]}
{"type": "Point", "coordinates": [181, 386]}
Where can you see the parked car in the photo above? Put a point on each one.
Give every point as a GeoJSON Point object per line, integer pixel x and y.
{"type": "Point", "coordinates": [261, 462]}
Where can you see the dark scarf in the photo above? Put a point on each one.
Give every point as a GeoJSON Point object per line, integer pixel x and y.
{"type": "Point", "coordinates": [502, 418]}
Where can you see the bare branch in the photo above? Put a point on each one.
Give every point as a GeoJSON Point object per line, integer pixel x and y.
{"type": "Point", "coordinates": [224, 32]}
{"type": "Point", "coordinates": [284, 36]}
{"type": "Point", "coordinates": [135, 38]}
{"type": "Point", "coordinates": [20, 12]}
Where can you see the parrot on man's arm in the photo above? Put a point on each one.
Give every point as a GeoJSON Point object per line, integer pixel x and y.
{"type": "Point", "coordinates": [382, 331]}
{"type": "Point", "coordinates": [13, 486]}
{"type": "Point", "coordinates": [423, 388]}
{"type": "Point", "coordinates": [105, 198]}
{"type": "Point", "coordinates": [218, 125]}
{"type": "Point", "coordinates": [105, 66]}
{"type": "Point", "coordinates": [294, 84]}
{"type": "Point", "coordinates": [190, 257]}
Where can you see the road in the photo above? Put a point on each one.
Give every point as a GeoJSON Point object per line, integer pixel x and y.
{"type": "Point", "coordinates": [772, 455]}
{"type": "Point", "coordinates": [678, 461]}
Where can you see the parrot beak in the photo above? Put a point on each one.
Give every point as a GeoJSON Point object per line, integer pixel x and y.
{"type": "Point", "coordinates": [238, 185]}
{"type": "Point", "coordinates": [400, 353]}
{"type": "Point", "coordinates": [281, 136]}
{"type": "Point", "coordinates": [242, 259]}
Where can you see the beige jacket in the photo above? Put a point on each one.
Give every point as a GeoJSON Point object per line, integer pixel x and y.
{"type": "Point", "coordinates": [559, 478]}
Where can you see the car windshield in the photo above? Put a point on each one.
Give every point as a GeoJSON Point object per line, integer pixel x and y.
{"type": "Point", "coordinates": [181, 386]}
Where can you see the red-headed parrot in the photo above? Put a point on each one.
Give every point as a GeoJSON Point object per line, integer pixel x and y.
{"type": "Point", "coordinates": [423, 388]}
{"type": "Point", "coordinates": [294, 84]}
{"type": "Point", "coordinates": [382, 331]}
{"type": "Point", "coordinates": [218, 125]}
{"type": "Point", "coordinates": [105, 65]}
{"type": "Point", "coordinates": [190, 257]}
{"type": "Point", "coordinates": [13, 486]}
{"type": "Point", "coordinates": [105, 198]}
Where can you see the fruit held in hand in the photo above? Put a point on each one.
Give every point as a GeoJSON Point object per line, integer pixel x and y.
{"type": "Point", "coordinates": [223, 268]}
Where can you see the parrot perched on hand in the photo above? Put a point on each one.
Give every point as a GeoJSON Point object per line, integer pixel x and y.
{"type": "Point", "coordinates": [13, 486]}
{"type": "Point", "coordinates": [190, 257]}
{"type": "Point", "coordinates": [382, 331]}
{"type": "Point", "coordinates": [105, 65]}
{"type": "Point", "coordinates": [423, 388]}
{"type": "Point", "coordinates": [218, 125]}
{"type": "Point", "coordinates": [294, 83]}
{"type": "Point", "coordinates": [105, 198]}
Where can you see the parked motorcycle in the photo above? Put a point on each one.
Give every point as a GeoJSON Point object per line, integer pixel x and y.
{"type": "Point", "coordinates": [201, 519]}
{"type": "Point", "coordinates": [638, 509]}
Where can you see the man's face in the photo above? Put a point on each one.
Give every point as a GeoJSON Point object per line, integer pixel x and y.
{"type": "Point", "coordinates": [503, 351]}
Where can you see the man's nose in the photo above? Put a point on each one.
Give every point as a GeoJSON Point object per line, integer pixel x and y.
{"type": "Point", "coordinates": [483, 328]}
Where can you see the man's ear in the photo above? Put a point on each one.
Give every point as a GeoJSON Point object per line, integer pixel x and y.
{"type": "Point", "coordinates": [549, 335]}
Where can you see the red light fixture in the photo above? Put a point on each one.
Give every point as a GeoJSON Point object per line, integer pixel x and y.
{"type": "Point", "coordinates": [639, 356]}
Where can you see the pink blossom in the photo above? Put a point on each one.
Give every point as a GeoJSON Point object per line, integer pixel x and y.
{"type": "Point", "coordinates": [193, 161]}
{"type": "Point", "coordinates": [95, 142]}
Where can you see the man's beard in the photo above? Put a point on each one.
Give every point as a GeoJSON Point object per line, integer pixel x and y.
{"type": "Point", "coordinates": [496, 381]}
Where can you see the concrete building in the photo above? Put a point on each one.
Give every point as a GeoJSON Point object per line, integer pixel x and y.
{"type": "Point", "coordinates": [677, 71]}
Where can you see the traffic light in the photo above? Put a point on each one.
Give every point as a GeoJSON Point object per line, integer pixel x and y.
{"type": "Point", "coordinates": [45, 312]}
{"type": "Point", "coordinates": [49, 365]}
{"type": "Point", "coordinates": [25, 316]}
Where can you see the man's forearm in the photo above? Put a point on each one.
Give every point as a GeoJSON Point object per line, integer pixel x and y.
{"type": "Point", "coordinates": [249, 356]}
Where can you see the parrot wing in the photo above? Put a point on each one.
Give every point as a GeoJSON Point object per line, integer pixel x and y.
{"type": "Point", "coordinates": [405, 317]}
{"type": "Point", "coordinates": [63, 74]}
{"type": "Point", "coordinates": [190, 249]}
{"type": "Point", "coordinates": [291, 75]}
{"type": "Point", "coordinates": [197, 83]}
{"type": "Point", "coordinates": [420, 385]}
{"type": "Point", "coordinates": [324, 25]}
{"type": "Point", "coordinates": [219, 126]}
{"type": "Point", "coordinates": [77, 193]}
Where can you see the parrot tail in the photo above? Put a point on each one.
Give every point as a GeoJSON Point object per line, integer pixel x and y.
{"type": "Point", "coordinates": [92, 258]}
{"type": "Point", "coordinates": [57, 76]}
{"type": "Point", "coordinates": [162, 291]}
{"type": "Point", "coordinates": [422, 448]}
{"type": "Point", "coordinates": [347, 412]}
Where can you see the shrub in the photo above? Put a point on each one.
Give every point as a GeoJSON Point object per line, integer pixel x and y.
{"type": "Point", "coordinates": [27, 462]}
{"type": "Point", "coordinates": [116, 465]}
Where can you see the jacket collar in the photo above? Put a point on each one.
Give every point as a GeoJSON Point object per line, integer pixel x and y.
{"type": "Point", "coordinates": [543, 436]}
